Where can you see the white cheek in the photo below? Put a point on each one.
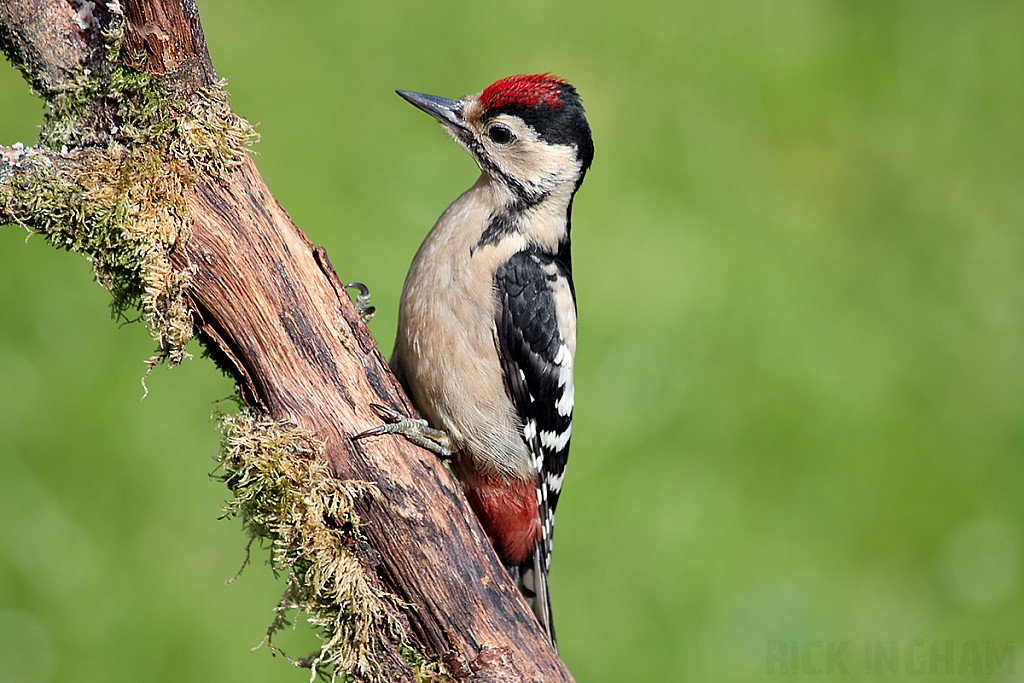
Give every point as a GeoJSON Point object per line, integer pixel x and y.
{"type": "Point", "coordinates": [538, 164]}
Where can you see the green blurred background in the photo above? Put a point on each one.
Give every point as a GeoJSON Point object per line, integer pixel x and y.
{"type": "Point", "coordinates": [800, 402]}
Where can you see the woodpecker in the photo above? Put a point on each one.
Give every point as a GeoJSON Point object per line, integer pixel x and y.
{"type": "Point", "coordinates": [487, 320]}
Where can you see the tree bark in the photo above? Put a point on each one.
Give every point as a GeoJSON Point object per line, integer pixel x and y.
{"type": "Point", "coordinates": [272, 306]}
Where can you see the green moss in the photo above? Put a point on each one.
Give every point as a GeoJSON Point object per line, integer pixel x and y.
{"type": "Point", "coordinates": [122, 152]}
{"type": "Point", "coordinates": [423, 669]}
{"type": "Point", "coordinates": [286, 494]}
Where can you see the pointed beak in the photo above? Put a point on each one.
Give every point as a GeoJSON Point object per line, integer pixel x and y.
{"type": "Point", "coordinates": [448, 112]}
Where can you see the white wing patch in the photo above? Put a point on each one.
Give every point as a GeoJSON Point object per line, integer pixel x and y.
{"type": "Point", "coordinates": [565, 403]}
{"type": "Point", "coordinates": [554, 440]}
{"type": "Point", "coordinates": [530, 431]}
{"type": "Point", "coordinates": [563, 358]}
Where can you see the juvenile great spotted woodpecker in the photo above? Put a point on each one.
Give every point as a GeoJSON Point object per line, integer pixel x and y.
{"type": "Point", "coordinates": [487, 320]}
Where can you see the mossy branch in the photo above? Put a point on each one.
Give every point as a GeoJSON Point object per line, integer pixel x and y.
{"type": "Point", "coordinates": [122, 203]}
{"type": "Point", "coordinates": [141, 166]}
{"type": "Point", "coordinates": [286, 495]}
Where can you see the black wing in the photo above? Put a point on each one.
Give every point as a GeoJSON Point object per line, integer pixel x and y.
{"type": "Point", "coordinates": [536, 312]}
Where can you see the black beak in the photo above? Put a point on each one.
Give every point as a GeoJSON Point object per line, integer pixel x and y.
{"type": "Point", "coordinates": [448, 112]}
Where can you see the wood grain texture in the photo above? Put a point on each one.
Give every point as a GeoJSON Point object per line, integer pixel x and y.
{"type": "Point", "coordinates": [167, 38]}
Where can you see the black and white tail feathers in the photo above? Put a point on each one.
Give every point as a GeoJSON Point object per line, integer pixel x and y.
{"type": "Point", "coordinates": [537, 594]}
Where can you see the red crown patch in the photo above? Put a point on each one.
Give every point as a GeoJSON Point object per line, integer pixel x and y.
{"type": "Point", "coordinates": [524, 91]}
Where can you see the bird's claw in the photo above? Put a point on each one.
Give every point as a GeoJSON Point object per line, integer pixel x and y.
{"type": "Point", "coordinates": [415, 430]}
{"type": "Point", "coordinates": [362, 302]}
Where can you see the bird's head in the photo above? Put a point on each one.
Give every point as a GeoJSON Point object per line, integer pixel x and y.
{"type": "Point", "coordinates": [528, 132]}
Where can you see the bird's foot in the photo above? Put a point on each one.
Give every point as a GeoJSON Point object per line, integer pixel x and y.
{"type": "Point", "coordinates": [362, 302]}
{"type": "Point", "coordinates": [415, 430]}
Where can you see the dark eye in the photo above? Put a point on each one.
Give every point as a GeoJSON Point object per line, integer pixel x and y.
{"type": "Point", "coordinates": [500, 134]}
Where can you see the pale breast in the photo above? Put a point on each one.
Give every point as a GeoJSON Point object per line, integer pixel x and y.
{"type": "Point", "coordinates": [445, 350]}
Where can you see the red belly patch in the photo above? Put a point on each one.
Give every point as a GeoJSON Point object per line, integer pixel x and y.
{"type": "Point", "coordinates": [507, 509]}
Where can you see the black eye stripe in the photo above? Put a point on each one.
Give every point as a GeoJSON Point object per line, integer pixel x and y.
{"type": "Point", "coordinates": [500, 134]}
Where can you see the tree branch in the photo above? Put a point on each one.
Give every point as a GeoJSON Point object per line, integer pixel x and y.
{"type": "Point", "coordinates": [47, 42]}
{"type": "Point", "coordinates": [268, 304]}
